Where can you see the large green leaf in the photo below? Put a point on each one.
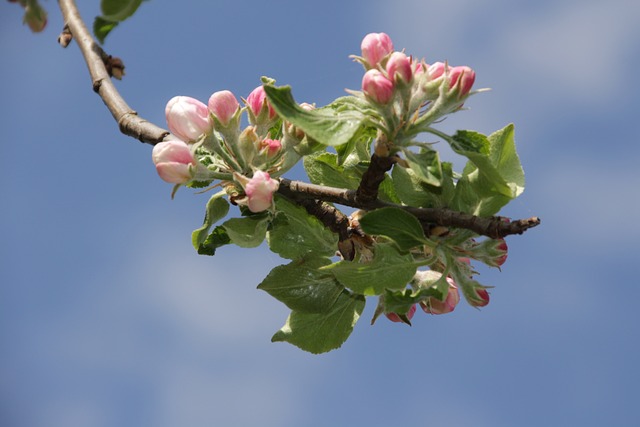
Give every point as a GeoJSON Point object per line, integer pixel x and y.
{"type": "Point", "coordinates": [302, 287]}
{"type": "Point", "coordinates": [322, 332]}
{"type": "Point", "coordinates": [295, 234]}
{"type": "Point", "coordinates": [332, 125]}
{"type": "Point", "coordinates": [388, 269]}
{"type": "Point", "coordinates": [396, 224]}
{"type": "Point", "coordinates": [113, 12]}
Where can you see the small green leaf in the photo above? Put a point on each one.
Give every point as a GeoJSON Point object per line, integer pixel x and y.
{"type": "Point", "coordinates": [247, 232]}
{"type": "Point", "coordinates": [494, 175]}
{"type": "Point", "coordinates": [331, 125]}
{"type": "Point", "coordinates": [401, 301]}
{"type": "Point", "coordinates": [396, 224]}
{"type": "Point", "coordinates": [216, 239]}
{"type": "Point", "coordinates": [295, 234]}
{"type": "Point", "coordinates": [217, 208]}
{"type": "Point", "coordinates": [323, 169]}
{"type": "Point", "coordinates": [387, 270]}
{"type": "Point", "coordinates": [322, 332]}
{"type": "Point", "coordinates": [426, 165]}
{"type": "Point", "coordinates": [302, 287]}
{"type": "Point", "coordinates": [113, 12]}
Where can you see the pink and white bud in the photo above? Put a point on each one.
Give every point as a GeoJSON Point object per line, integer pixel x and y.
{"type": "Point", "coordinates": [482, 300]}
{"type": "Point", "coordinates": [223, 105]}
{"type": "Point", "coordinates": [259, 191]}
{"type": "Point", "coordinates": [271, 147]}
{"type": "Point", "coordinates": [435, 306]}
{"type": "Point", "coordinates": [256, 101]}
{"type": "Point", "coordinates": [463, 78]}
{"type": "Point", "coordinates": [187, 118]}
{"type": "Point", "coordinates": [173, 160]}
{"type": "Point", "coordinates": [399, 67]}
{"type": "Point", "coordinates": [377, 86]}
{"type": "Point", "coordinates": [375, 46]}
{"type": "Point", "coordinates": [436, 70]}
{"type": "Point", "coordinates": [395, 318]}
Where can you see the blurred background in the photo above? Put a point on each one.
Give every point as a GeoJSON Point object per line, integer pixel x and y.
{"type": "Point", "coordinates": [108, 317]}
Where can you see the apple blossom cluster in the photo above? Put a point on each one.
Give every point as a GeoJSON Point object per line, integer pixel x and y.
{"type": "Point", "coordinates": [361, 151]}
{"type": "Point", "coordinates": [206, 143]}
{"type": "Point", "coordinates": [409, 94]}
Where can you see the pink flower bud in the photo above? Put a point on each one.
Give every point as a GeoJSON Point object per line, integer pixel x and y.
{"type": "Point", "coordinates": [483, 298]}
{"type": "Point", "coordinates": [436, 70]}
{"type": "Point", "coordinates": [187, 118]}
{"type": "Point", "coordinates": [377, 87]}
{"type": "Point", "coordinates": [435, 306]}
{"type": "Point", "coordinates": [395, 318]}
{"type": "Point", "coordinates": [271, 146]}
{"type": "Point", "coordinates": [399, 66]}
{"type": "Point", "coordinates": [223, 105]}
{"type": "Point", "coordinates": [463, 77]}
{"type": "Point", "coordinates": [256, 100]}
{"type": "Point", "coordinates": [173, 160]}
{"type": "Point", "coordinates": [259, 191]}
{"type": "Point", "coordinates": [502, 246]}
{"type": "Point", "coordinates": [376, 46]}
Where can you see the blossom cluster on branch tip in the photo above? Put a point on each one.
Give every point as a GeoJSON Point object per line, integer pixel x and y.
{"type": "Point", "coordinates": [402, 87]}
{"type": "Point", "coordinates": [207, 144]}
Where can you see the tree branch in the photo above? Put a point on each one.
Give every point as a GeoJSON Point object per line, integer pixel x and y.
{"type": "Point", "coordinates": [312, 197]}
{"type": "Point", "coordinates": [128, 120]}
{"type": "Point", "coordinates": [495, 227]}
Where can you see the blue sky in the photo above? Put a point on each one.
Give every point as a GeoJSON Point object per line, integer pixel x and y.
{"type": "Point", "coordinates": [108, 317]}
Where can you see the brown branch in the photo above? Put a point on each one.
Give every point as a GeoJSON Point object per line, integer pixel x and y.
{"type": "Point", "coordinates": [97, 61]}
{"type": "Point", "coordinates": [312, 197]}
{"type": "Point", "coordinates": [495, 227]}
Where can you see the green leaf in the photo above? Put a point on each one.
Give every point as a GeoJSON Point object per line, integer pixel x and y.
{"type": "Point", "coordinates": [302, 287]}
{"type": "Point", "coordinates": [412, 191]}
{"type": "Point", "coordinates": [295, 234]}
{"type": "Point", "coordinates": [401, 301]}
{"type": "Point", "coordinates": [216, 239]}
{"type": "Point", "coordinates": [426, 165]}
{"type": "Point", "coordinates": [217, 208]}
{"type": "Point", "coordinates": [388, 269]}
{"type": "Point", "coordinates": [494, 175]}
{"type": "Point", "coordinates": [396, 224]}
{"type": "Point", "coordinates": [322, 332]}
{"type": "Point", "coordinates": [113, 12]}
{"type": "Point", "coordinates": [332, 125]}
{"type": "Point", "coordinates": [323, 169]}
{"type": "Point", "coordinates": [247, 232]}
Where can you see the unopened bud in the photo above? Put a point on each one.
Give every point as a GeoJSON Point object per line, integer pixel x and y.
{"type": "Point", "coordinates": [187, 118]}
{"type": "Point", "coordinates": [377, 87]}
{"type": "Point", "coordinates": [173, 160]}
{"type": "Point", "coordinates": [375, 46]}
{"type": "Point", "coordinates": [223, 105]}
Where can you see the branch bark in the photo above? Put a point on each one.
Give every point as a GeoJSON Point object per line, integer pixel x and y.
{"type": "Point", "coordinates": [128, 120]}
{"type": "Point", "coordinates": [313, 197]}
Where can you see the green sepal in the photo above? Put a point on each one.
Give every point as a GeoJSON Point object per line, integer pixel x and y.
{"type": "Point", "coordinates": [301, 286]}
{"type": "Point", "coordinates": [217, 208]}
{"type": "Point", "coordinates": [388, 269]}
{"type": "Point", "coordinates": [322, 332]}
{"type": "Point", "coordinates": [396, 224]}
{"type": "Point", "coordinates": [333, 125]}
{"type": "Point", "coordinates": [295, 234]}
